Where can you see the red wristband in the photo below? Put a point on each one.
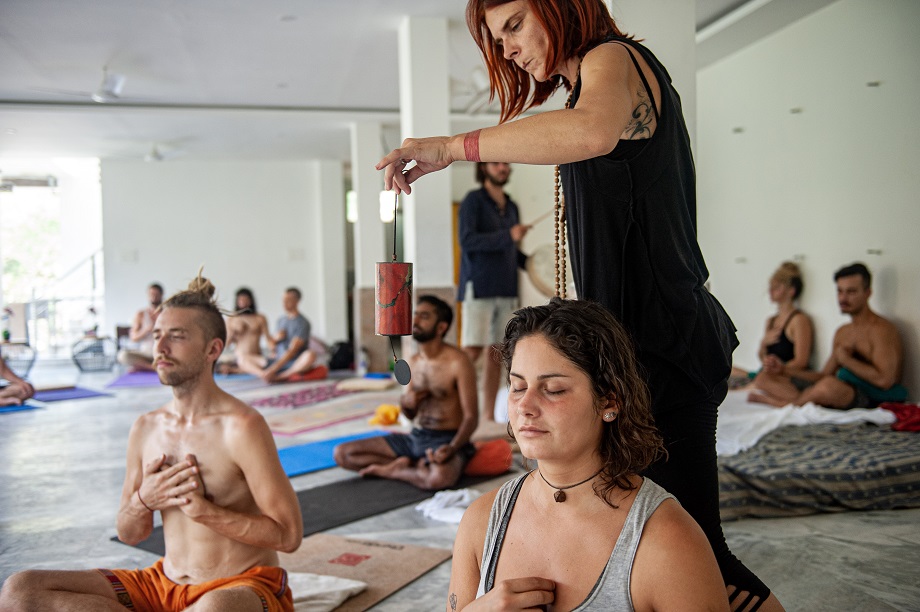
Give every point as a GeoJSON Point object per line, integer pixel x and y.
{"type": "Point", "coordinates": [471, 146]}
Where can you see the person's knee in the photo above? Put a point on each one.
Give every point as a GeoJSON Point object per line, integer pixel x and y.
{"type": "Point", "coordinates": [19, 589]}
{"type": "Point", "coordinates": [830, 391]}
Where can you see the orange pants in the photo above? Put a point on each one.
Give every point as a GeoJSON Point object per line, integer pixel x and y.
{"type": "Point", "coordinates": [149, 590]}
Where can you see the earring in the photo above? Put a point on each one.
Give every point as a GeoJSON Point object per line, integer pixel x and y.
{"type": "Point", "coordinates": [610, 415]}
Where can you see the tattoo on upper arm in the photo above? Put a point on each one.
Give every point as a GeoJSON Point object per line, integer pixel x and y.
{"type": "Point", "coordinates": [453, 601]}
{"type": "Point", "coordinates": [640, 125]}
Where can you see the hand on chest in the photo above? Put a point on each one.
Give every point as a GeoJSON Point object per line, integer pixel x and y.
{"type": "Point", "coordinates": [219, 473]}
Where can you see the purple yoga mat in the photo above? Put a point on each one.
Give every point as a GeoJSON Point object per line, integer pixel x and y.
{"type": "Point", "coordinates": [135, 379]}
{"type": "Point", "coordinates": [57, 395]}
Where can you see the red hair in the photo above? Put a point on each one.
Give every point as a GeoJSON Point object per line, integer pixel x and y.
{"type": "Point", "coordinates": [573, 27]}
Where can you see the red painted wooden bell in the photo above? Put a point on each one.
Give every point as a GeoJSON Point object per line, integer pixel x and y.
{"type": "Point", "coordinates": [393, 310]}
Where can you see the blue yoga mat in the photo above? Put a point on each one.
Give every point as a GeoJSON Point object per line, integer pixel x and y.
{"type": "Point", "coordinates": [17, 408]}
{"type": "Point", "coordinates": [316, 456]}
{"type": "Point", "coordinates": [57, 395]}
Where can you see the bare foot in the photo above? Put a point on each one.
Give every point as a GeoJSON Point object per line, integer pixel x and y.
{"type": "Point", "coordinates": [386, 470]}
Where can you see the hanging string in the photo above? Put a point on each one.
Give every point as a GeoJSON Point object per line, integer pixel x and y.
{"type": "Point", "coordinates": [393, 348]}
{"type": "Point", "coordinates": [395, 210]}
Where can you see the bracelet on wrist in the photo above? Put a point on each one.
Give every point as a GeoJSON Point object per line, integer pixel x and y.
{"type": "Point", "coordinates": [141, 499]}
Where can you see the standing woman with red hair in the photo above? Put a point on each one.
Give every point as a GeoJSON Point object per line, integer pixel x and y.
{"type": "Point", "coordinates": [628, 177]}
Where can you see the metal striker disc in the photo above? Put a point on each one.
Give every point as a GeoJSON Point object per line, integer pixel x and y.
{"type": "Point", "coordinates": [403, 374]}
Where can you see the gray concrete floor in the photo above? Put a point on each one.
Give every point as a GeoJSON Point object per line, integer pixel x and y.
{"type": "Point", "coordinates": [61, 471]}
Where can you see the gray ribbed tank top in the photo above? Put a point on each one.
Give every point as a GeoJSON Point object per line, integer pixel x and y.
{"type": "Point", "coordinates": [611, 591]}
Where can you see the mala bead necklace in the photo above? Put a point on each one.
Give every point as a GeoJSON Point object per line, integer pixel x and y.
{"type": "Point", "coordinates": [559, 495]}
{"type": "Point", "coordinates": [559, 226]}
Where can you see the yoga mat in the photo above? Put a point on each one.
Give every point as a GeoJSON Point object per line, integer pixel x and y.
{"type": "Point", "coordinates": [135, 379]}
{"type": "Point", "coordinates": [151, 379]}
{"type": "Point", "coordinates": [315, 456]}
{"type": "Point", "coordinates": [57, 395]}
{"type": "Point", "coordinates": [384, 566]}
{"type": "Point", "coordinates": [340, 503]}
{"type": "Point", "coordinates": [19, 408]}
{"type": "Point", "coordinates": [302, 397]}
{"type": "Point", "coordinates": [237, 376]}
{"type": "Point", "coordinates": [338, 410]}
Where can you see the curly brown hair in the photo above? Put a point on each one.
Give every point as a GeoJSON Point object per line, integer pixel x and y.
{"type": "Point", "coordinates": [594, 342]}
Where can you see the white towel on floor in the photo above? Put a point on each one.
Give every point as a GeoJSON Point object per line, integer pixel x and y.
{"type": "Point", "coordinates": [741, 423]}
{"type": "Point", "coordinates": [319, 593]}
{"type": "Point", "coordinates": [448, 506]}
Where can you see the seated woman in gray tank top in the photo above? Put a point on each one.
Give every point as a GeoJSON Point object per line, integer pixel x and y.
{"type": "Point", "coordinates": [582, 531]}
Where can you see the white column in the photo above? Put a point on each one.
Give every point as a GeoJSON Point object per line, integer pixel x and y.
{"type": "Point", "coordinates": [424, 104]}
{"type": "Point", "coordinates": [331, 274]}
{"type": "Point", "coordinates": [369, 244]}
{"type": "Point", "coordinates": [367, 182]}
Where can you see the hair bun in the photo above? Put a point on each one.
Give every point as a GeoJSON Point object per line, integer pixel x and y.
{"type": "Point", "coordinates": [202, 285]}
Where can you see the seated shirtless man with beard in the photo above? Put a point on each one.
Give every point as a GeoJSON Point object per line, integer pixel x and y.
{"type": "Point", "coordinates": [440, 399]}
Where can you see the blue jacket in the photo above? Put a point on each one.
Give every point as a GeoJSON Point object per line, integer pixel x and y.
{"type": "Point", "coordinates": [489, 257]}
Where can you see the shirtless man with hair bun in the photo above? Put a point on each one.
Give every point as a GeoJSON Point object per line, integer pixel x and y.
{"type": "Point", "coordinates": [208, 464]}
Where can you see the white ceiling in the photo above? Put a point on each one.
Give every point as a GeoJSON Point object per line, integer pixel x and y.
{"type": "Point", "coordinates": [227, 78]}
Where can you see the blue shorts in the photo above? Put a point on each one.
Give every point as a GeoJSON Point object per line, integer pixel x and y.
{"type": "Point", "coordinates": [414, 445]}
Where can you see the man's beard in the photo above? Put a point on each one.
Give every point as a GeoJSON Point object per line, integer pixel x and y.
{"type": "Point", "coordinates": [179, 374]}
{"type": "Point", "coordinates": [424, 336]}
{"type": "Point", "coordinates": [497, 181]}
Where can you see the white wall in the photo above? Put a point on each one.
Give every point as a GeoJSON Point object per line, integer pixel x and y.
{"type": "Point", "coordinates": [248, 222]}
{"type": "Point", "coordinates": [832, 184]}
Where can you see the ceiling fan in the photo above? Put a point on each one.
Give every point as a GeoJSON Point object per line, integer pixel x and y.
{"type": "Point", "coordinates": [109, 89]}
{"type": "Point", "coordinates": [158, 153]}
{"type": "Point", "coordinates": [475, 89]}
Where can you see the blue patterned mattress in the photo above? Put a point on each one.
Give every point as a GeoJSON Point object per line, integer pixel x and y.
{"type": "Point", "coordinates": [800, 470]}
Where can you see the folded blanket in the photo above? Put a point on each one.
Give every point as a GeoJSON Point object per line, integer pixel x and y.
{"type": "Point", "coordinates": [741, 423]}
{"type": "Point", "coordinates": [317, 593]}
{"type": "Point", "coordinates": [448, 506]}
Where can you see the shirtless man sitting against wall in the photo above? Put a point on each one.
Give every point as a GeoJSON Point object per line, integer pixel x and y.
{"type": "Point", "coordinates": [207, 462]}
{"type": "Point", "coordinates": [442, 401]}
{"type": "Point", "coordinates": [140, 357]}
{"type": "Point", "coordinates": [866, 363]}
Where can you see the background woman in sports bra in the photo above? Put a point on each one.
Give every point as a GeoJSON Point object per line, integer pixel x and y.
{"type": "Point", "coordinates": [788, 337]}
{"type": "Point", "coordinates": [630, 196]}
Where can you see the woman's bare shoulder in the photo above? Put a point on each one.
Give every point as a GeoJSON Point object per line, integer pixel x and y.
{"type": "Point", "coordinates": [674, 549]}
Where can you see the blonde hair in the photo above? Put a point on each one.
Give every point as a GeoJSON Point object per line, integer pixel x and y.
{"type": "Point", "coordinates": [200, 296]}
{"type": "Point", "coordinates": [789, 274]}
